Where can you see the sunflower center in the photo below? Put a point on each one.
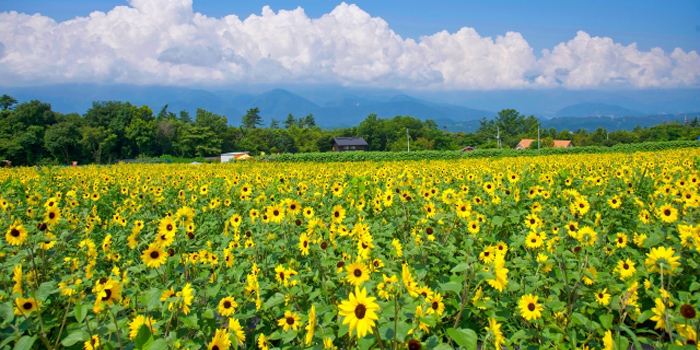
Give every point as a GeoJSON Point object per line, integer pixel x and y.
{"type": "Point", "coordinates": [531, 306]}
{"type": "Point", "coordinates": [625, 266]}
{"type": "Point", "coordinates": [108, 295]}
{"type": "Point", "coordinates": [619, 239]}
{"type": "Point", "coordinates": [306, 244]}
{"type": "Point", "coordinates": [14, 232]}
{"type": "Point", "coordinates": [215, 347]}
{"type": "Point", "coordinates": [52, 215]}
{"type": "Point", "coordinates": [600, 295]}
{"type": "Point", "coordinates": [227, 304]}
{"type": "Point", "coordinates": [434, 305]}
{"type": "Point", "coordinates": [336, 214]}
{"type": "Point", "coordinates": [667, 212]}
{"type": "Point", "coordinates": [340, 264]}
{"type": "Point", "coordinates": [290, 320]}
{"type": "Point", "coordinates": [169, 227]}
{"type": "Point", "coordinates": [154, 255]}
{"type": "Point", "coordinates": [357, 273]}
{"type": "Point", "coordinates": [360, 311]}
{"type": "Point", "coordinates": [27, 305]}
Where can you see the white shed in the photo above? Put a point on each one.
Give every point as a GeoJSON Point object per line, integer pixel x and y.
{"type": "Point", "coordinates": [227, 157]}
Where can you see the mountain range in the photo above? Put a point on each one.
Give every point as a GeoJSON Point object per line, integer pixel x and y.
{"type": "Point", "coordinates": [343, 107]}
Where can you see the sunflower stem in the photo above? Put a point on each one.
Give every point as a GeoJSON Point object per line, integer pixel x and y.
{"type": "Point", "coordinates": [119, 338]}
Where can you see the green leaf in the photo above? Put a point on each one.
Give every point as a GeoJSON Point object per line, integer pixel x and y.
{"type": "Point", "coordinates": [25, 343]}
{"type": "Point", "coordinates": [451, 286]}
{"type": "Point", "coordinates": [443, 347]}
{"type": "Point", "coordinates": [75, 337]}
{"type": "Point", "coordinates": [498, 220]}
{"type": "Point", "coordinates": [159, 344]}
{"type": "Point", "coordinates": [213, 290]}
{"type": "Point", "coordinates": [208, 313]}
{"type": "Point", "coordinates": [460, 268]}
{"type": "Point", "coordinates": [694, 286]}
{"type": "Point", "coordinates": [635, 341]}
{"type": "Point", "coordinates": [463, 337]}
{"type": "Point", "coordinates": [143, 337]}
{"type": "Point", "coordinates": [7, 311]}
{"type": "Point", "coordinates": [46, 289]}
{"type": "Point", "coordinates": [274, 300]}
{"type": "Point", "coordinates": [606, 321]}
{"type": "Point", "coordinates": [80, 312]}
{"type": "Point", "coordinates": [645, 316]}
{"type": "Point", "coordinates": [154, 298]}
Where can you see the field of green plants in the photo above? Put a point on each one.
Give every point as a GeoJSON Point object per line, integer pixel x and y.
{"type": "Point", "coordinates": [572, 251]}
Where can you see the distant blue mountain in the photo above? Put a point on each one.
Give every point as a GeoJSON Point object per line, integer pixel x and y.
{"type": "Point", "coordinates": [596, 110]}
{"type": "Point", "coordinates": [346, 110]}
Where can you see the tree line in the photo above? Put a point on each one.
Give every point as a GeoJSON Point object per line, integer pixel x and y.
{"type": "Point", "coordinates": [32, 133]}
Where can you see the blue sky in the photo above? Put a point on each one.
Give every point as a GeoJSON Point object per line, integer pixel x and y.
{"type": "Point", "coordinates": [442, 45]}
{"type": "Point", "coordinates": [649, 23]}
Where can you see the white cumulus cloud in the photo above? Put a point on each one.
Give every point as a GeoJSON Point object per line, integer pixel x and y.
{"type": "Point", "coordinates": [166, 42]}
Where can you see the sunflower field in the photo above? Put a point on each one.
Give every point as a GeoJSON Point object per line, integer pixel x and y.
{"type": "Point", "coordinates": [561, 251]}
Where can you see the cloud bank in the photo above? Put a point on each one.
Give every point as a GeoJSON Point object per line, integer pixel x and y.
{"type": "Point", "coordinates": [166, 42]}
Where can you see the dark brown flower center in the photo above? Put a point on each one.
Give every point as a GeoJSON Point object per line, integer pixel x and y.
{"type": "Point", "coordinates": [357, 272]}
{"type": "Point", "coordinates": [14, 232]}
{"type": "Point", "coordinates": [290, 320]}
{"type": "Point", "coordinates": [625, 266]}
{"type": "Point", "coordinates": [108, 294]}
{"type": "Point", "coordinates": [227, 304]}
{"type": "Point", "coordinates": [27, 305]}
{"type": "Point", "coordinates": [360, 311]}
{"type": "Point", "coordinates": [435, 305]}
{"type": "Point", "coordinates": [276, 213]}
{"type": "Point", "coordinates": [531, 306]}
{"type": "Point", "coordinates": [340, 264]}
{"type": "Point", "coordinates": [667, 212]}
{"type": "Point", "coordinates": [169, 227]}
{"type": "Point", "coordinates": [155, 254]}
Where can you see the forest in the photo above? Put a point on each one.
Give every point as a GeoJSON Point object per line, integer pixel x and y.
{"type": "Point", "coordinates": [32, 133]}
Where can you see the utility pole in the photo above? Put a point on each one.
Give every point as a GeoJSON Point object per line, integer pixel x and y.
{"type": "Point", "coordinates": [408, 142]}
{"type": "Point", "coordinates": [538, 137]}
{"type": "Point", "coordinates": [606, 135]}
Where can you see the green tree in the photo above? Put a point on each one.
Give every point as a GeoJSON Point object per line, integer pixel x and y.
{"type": "Point", "coordinates": [252, 118]}
{"type": "Point", "coordinates": [309, 121]}
{"type": "Point", "coordinates": [63, 141]}
{"type": "Point", "coordinates": [6, 102]}
{"type": "Point", "coordinates": [289, 121]}
{"type": "Point", "coordinates": [185, 117]}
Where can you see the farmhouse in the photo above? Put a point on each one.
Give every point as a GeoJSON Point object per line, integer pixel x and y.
{"type": "Point", "coordinates": [525, 143]}
{"type": "Point", "coordinates": [341, 144]}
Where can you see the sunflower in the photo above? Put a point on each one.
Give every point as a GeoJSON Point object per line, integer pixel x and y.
{"type": "Point", "coordinates": [436, 305]}
{"type": "Point", "coordinates": [615, 202]}
{"type": "Point", "coordinates": [293, 207]}
{"type": "Point", "coordinates": [220, 341]}
{"type": "Point", "coordinates": [473, 227]}
{"type": "Point", "coordinates": [227, 306]}
{"type": "Point", "coordinates": [626, 268]}
{"type": "Point", "coordinates": [501, 273]}
{"type": "Point", "coordinates": [154, 256]}
{"type": "Point", "coordinates": [359, 311]}
{"type": "Point", "coordinates": [166, 231]}
{"type": "Point", "coordinates": [659, 314]}
{"type": "Point", "coordinates": [25, 306]}
{"type": "Point", "coordinates": [602, 297]}
{"type": "Point", "coordinates": [662, 257]}
{"type": "Point", "coordinates": [338, 214]}
{"type": "Point", "coordinates": [495, 329]}
{"type": "Point", "coordinates": [529, 308]}
{"type": "Point", "coordinates": [425, 292]}
{"type": "Point", "coordinates": [107, 292]}
{"type": "Point", "coordinates": [534, 240]}
{"type": "Point", "coordinates": [587, 236]}
{"type": "Point", "coordinates": [235, 326]}
{"type": "Point", "coordinates": [16, 234]}
{"type": "Point", "coordinates": [311, 326]}
{"type": "Point", "coordinates": [187, 296]}
{"type": "Point", "coordinates": [308, 212]}
{"type": "Point", "coordinates": [667, 213]}
{"type": "Point", "coordinates": [92, 344]}
{"type": "Point", "coordinates": [139, 321]}
{"type": "Point", "coordinates": [52, 216]}
{"type": "Point", "coordinates": [290, 320]}
{"type": "Point", "coordinates": [357, 273]}
{"type": "Point", "coordinates": [621, 240]}
{"type": "Point", "coordinates": [608, 341]}
{"type": "Point", "coordinates": [275, 213]}
{"type": "Point", "coordinates": [304, 244]}
{"type": "Point", "coordinates": [262, 342]}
